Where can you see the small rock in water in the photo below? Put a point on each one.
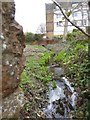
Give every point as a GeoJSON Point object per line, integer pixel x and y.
{"type": "Point", "coordinates": [58, 71]}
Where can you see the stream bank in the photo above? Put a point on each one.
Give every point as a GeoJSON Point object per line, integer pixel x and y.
{"type": "Point", "coordinates": [71, 55]}
{"type": "Point", "coordinates": [41, 100]}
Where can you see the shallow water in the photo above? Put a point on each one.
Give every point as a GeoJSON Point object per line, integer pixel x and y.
{"type": "Point", "coordinates": [62, 100]}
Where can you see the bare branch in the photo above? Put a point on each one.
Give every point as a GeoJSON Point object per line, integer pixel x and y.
{"type": "Point", "coordinates": [57, 4]}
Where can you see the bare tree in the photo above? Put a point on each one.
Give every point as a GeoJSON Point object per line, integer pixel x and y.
{"type": "Point", "coordinates": [41, 29]}
{"type": "Point", "coordinates": [65, 27]}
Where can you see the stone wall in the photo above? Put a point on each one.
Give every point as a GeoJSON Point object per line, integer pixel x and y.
{"type": "Point", "coordinates": [13, 60]}
{"type": "Point", "coordinates": [12, 51]}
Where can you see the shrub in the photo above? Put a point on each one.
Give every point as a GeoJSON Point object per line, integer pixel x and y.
{"type": "Point", "coordinates": [32, 37]}
{"type": "Point", "coordinates": [76, 35]}
{"type": "Point", "coordinates": [38, 37]}
{"type": "Point", "coordinates": [58, 37]}
{"type": "Point", "coordinates": [75, 61]}
{"type": "Point", "coordinates": [29, 37]}
{"type": "Point", "coordinates": [44, 60]}
{"type": "Point", "coordinates": [25, 78]}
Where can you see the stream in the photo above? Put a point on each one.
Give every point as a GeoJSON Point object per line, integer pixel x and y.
{"type": "Point", "coordinates": [62, 99]}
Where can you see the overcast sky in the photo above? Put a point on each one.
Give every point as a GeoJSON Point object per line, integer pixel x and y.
{"type": "Point", "coordinates": [30, 13]}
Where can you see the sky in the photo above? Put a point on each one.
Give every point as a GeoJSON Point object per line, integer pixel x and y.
{"type": "Point", "coordinates": [30, 13]}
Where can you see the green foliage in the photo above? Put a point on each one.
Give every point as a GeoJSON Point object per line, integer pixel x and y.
{"type": "Point", "coordinates": [29, 37]}
{"type": "Point", "coordinates": [69, 13]}
{"type": "Point", "coordinates": [72, 36]}
{"type": "Point", "coordinates": [77, 67]}
{"type": "Point", "coordinates": [75, 30]}
{"type": "Point", "coordinates": [60, 56]}
{"type": "Point", "coordinates": [38, 71]}
{"type": "Point", "coordinates": [58, 37]}
{"type": "Point", "coordinates": [44, 60]}
{"type": "Point", "coordinates": [32, 37]}
{"type": "Point", "coordinates": [24, 78]}
{"type": "Point", "coordinates": [75, 61]}
{"type": "Point", "coordinates": [54, 84]}
{"type": "Point", "coordinates": [27, 106]}
{"type": "Point", "coordinates": [42, 74]}
{"type": "Point", "coordinates": [76, 35]}
{"type": "Point", "coordinates": [38, 37]}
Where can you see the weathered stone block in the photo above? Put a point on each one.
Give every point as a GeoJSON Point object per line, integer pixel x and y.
{"type": "Point", "coordinates": [12, 61]}
{"type": "Point", "coordinates": [12, 49]}
{"type": "Point", "coordinates": [12, 104]}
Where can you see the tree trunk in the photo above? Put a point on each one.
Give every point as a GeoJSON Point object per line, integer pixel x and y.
{"type": "Point", "coordinates": [65, 28]}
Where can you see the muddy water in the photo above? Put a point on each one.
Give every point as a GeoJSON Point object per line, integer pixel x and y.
{"type": "Point", "coordinates": [62, 99]}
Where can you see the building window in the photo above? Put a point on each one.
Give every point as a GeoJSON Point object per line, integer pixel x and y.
{"type": "Point", "coordinates": [79, 23]}
{"type": "Point", "coordinates": [75, 22]}
{"type": "Point", "coordinates": [74, 14]}
{"type": "Point", "coordinates": [84, 22]}
{"type": "Point", "coordinates": [59, 24]}
{"type": "Point", "coordinates": [84, 13]}
{"type": "Point", "coordinates": [58, 15]}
